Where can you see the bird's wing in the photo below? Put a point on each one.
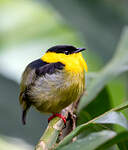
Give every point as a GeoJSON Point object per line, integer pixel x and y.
{"type": "Point", "coordinates": [34, 69]}
{"type": "Point", "coordinates": [49, 68]}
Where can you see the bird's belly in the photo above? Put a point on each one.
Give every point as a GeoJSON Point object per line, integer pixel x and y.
{"type": "Point", "coordinates": [52, 93]}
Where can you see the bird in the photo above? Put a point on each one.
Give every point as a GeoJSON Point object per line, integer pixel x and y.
{"type": "Point", "coordinates": [54, 81]}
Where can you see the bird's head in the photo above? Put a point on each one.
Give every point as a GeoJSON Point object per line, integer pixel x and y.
{"type": "Point", "coordinates": [65, 49]}
{"type": "Point", "coordinates": [69, 55]}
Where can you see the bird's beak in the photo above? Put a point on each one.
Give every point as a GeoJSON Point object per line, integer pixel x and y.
{"type": "Point", "coordinates": [79, 50]}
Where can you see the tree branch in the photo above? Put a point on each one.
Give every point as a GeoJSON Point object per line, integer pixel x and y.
{"type": "Point", "coordinates": [55, 126]}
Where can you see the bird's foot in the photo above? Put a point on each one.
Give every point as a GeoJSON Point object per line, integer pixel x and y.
{"type": "Point", "coordinates": [57, 115]}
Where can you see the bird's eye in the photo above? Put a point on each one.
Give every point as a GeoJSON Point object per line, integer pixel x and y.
{"type": "Point", "coordinates": [66, 52]}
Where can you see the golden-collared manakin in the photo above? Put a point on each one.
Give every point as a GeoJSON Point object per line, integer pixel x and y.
{"type": "Point", "coordinates": [54, 81]}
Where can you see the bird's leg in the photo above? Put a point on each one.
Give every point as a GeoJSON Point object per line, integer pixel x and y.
{"type": "Point", "coordinates": [73, 120]}
{"type": "Point", "coordinates": [57, 115]}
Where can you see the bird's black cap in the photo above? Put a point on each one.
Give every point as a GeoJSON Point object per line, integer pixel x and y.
{"type": "Point", "coordinates": [66, 49]}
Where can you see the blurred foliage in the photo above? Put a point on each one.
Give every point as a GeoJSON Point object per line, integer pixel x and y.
{"type": "Point", "coordinates": [100, 22]}
{"type": "Point", "coordinates": [34, 23]}
{"type": "Point", "coordinates": [29, 26]}
{"type": "Point", "coordinates": [13, 144]}
{"type": "Point", "coordinates": [116, 67]}
{"type": "Point", "coordinates": [95, 108]}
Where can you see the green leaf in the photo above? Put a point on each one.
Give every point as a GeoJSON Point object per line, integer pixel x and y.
{"type": "Point", "coordinates": [120, 138]}
{"type": "Point", "coordinates": [113, 118]}
{"type": "Point", "coordinates": [92, 122]}
{"type": "Point", "coordinates": [91, 142]}
{"type": "Point", "coordinates": [117, 66]}
{"type": "Point", "coordinates": [123, 145]}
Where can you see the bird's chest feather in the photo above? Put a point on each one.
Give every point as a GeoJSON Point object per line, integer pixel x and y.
{"type": "Point", "coordinates": [55, 92]}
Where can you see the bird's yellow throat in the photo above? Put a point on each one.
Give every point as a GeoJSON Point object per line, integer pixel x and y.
{"type": "Point", "coordinates": [73, 62]}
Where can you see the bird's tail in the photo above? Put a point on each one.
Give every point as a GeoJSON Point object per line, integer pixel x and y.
{"type": "Point", "coordinates": [24, 113]}
{"type": "Point", "coordinates": [25, 105]}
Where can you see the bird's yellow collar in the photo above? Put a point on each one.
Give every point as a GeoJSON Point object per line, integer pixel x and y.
{"type": "Point", "coordinates": [73, 62]}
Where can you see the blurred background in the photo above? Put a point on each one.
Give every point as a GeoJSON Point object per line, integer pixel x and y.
{"type": "Point", "coordinates": [28, 28]}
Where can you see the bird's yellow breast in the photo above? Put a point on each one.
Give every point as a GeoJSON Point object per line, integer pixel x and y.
{"type": "Point", "coordinates": [74, 63]}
